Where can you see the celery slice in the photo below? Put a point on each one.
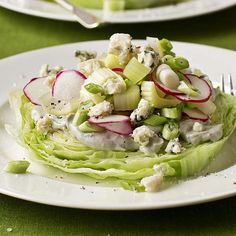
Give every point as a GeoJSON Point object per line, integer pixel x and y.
{"type": "Point", "coordinates": [128, 100]}
{"type": "Point", "coordinates": [112, 61]}
{"type": "Point", "coordinates": [149, 93]}
{"type": "Point", "coordinates": [17, 167]}
{"type": "Point", "coordinates": [135, 71]}
{"type": "Point", "coordinates": [101, 75]}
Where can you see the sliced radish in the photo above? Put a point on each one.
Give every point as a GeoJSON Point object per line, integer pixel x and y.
{"type": "Point", "coordinates": [201, 85]}
{"type": "Point", "coordinates": [163, 88]}
{"type": "Point", "coordinates": [186, 77]}
{"type": "Point", "coordinates": [68, 84]}
{"type": "Point", "coordinates": [195, 114]}
{"type": "Point", "coordinates": [118, 124]}
{"type": "Point", "coordinates": [35, 89]}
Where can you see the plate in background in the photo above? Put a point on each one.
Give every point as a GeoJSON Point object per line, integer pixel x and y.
{"type": "Point", "coordinates": [170, 12]}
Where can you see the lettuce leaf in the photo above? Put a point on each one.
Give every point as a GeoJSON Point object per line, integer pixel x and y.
{"type": "Point", "coordinates": [64, 152]}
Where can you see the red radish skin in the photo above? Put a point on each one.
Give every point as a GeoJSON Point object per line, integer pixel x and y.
{"type": "Point", "coordinates": [163, 88]}
{"type": "Point", "coordinates": [118, 124]}
{"type": "Point", "coordinates": [80, 77]}
{"type": "Point", "coordinates": [195, 114]}
{"type": "Point", "coordinates": [186, 77]}
{"type": "Point", "coordinates": [202, 85]}
{"type": "Point", "coordinates": [124, 128]}
{"type": "Point", "coordinates": [31, 94]}
{"type": "Point", "coordinates": [118, 70]}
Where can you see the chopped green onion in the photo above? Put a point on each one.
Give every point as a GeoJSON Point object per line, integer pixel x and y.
{"type": "Point", "coordinates": [166, 45]}
{"type": "Point", "coordinates": [155, 120]}
{"type": "Point", "coordinates": [17, 167]}
{"type": "Point", "coordinates": [109, 98]}
{"type": "Point", "coordinates": [93, 88]}
{"type": "Point", "coordinates": [187, 89]}
{"type": "Point", "coordinates": [128, 83]}
{"type": "Point", "coordinates": [180, 75]}
{"type": "Point", "coordinates": [166, 58]}
{"type": "Point", "coordinates": [177, 63]}
{"type": "Point", "coordinates": [87, 127]}
{"type": "Point", "coordinates": [87, 104]}
{"type": "Point", "coordinates": [181, 63]}
{"type": "Point", "coordinates": [191, 105]}
{"type": "Point", "coordinates": [170, 130]}
{"type": "Point", "coordinates": [171, 113]}
{"type": "Point", "coordinates": [80, 117]}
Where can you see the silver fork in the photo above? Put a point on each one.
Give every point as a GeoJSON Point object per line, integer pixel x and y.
{"type": "Point", "coordinates": [230, 81]}
{"type": "Point", "coordinates": [85, 18]}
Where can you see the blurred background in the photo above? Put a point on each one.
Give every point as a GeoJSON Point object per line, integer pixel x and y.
{"type": "Point", "coordinates": [20, 32]}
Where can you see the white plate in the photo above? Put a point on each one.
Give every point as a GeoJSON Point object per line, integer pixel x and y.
{"type": "Point", "coordinates": [171, 12]}
{"type": "Point", "coordinates": [50, 189]}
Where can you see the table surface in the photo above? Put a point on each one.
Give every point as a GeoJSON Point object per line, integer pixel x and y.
{"type": "Point", "coordinates": [20, 33]}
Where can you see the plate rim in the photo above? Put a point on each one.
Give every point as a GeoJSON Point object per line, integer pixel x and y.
{"type": "Point", "coordinates": [177, 204]}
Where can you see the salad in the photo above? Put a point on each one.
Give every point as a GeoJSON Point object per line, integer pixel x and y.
{"type": "Point", "coordinates": [134, 116]}
{"type": "Point", "coordinates": [117, 5]}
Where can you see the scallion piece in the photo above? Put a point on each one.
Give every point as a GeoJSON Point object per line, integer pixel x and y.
{"type": "Point", "coordinates": [177, 63]}
{"type": "Point", "coordinates": [17, 167]}
{"type": "Point", "coordinates": [93, 88]}
{"type": "Point", "coordinates": [166, 45]}
{"type": "Point", "coordinates": [155, 120]}
{"type": "Point", "coordinates": [170, 131]}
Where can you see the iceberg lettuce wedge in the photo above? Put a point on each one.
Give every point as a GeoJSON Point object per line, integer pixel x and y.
{"type": "Point", "coordinates": [62, 151]}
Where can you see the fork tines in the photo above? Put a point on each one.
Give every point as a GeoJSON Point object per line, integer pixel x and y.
{"type": "Point", "coordinates": [230, 81]}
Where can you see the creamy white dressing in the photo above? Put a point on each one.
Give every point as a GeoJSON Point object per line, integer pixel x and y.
{"type": "Point", "coordinates": [209, 133]}
{"type": "Point", "coordinates": [154, 145]}
{"type": "Point", "coordinates": [37, 113]}
{"type": "Point", "coordinates": [57, 122]}
{"type": "Point", "coordinates": [104, 140]}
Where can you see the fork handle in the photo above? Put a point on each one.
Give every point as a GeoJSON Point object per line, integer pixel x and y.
{"type": "Point", "coordinates": [83, 17]}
